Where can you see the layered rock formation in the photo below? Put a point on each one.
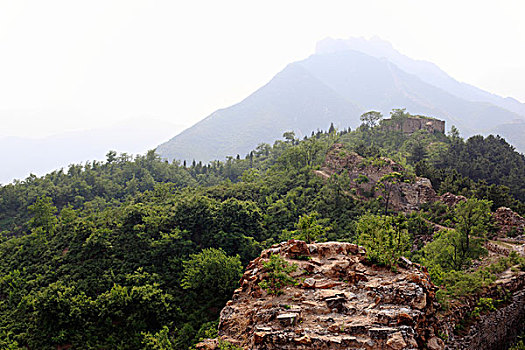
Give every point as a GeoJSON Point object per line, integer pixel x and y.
{"type": "Point", "coordinates": [339, 302]}
{"type": "Point", "coordinates": [509, 222]}
{"type": "Point", "coordinates": [365, 175]}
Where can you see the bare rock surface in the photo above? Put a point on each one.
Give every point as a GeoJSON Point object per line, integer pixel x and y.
{"type": "Point", "coordinates": [365, 174]}
{"type": "Point", "coordinates": [451, 199]}
{"type": "Point", "coordinates": [339, 302]}
{"type": "Point", "coordinates": [509, 221]}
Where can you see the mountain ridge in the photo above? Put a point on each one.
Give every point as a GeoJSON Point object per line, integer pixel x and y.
{"type": "Point", "coordinates": [338, 107]}
{"type": "Point", "coordinates": [45, 154]}
{"type": "Point", "coordinates": [429, 71]}
{"type": "Point", "coordinates": [340, 81]}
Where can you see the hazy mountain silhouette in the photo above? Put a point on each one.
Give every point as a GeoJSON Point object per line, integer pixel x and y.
{"type": "Point", "coordinates": [22, 156]}
{"type": "Point", "coordinates": [293, 100]}
{"type": "Point", "coordinates": [338, 84]}
{"type": "Point", "coordinates": [426, 71]}
{"type": "Point", "coordinates": [512, 131]}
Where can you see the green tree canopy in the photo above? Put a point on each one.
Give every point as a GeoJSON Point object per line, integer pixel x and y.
{"type": "Point", "coordinates": [385, 238]}
{"type": "Point", "coordinates": [371, 119]}
{"type": "Point", "coordinates": [212, 273]}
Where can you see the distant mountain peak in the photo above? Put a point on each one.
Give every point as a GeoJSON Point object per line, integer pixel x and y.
{"type": "Point", "coordinates": [374, 46]}
{"type": "Point", "coordinates": [424, 70]}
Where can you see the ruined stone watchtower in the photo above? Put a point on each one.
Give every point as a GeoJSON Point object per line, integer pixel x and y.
{"type": "Point", "coordinates": [414, 123]}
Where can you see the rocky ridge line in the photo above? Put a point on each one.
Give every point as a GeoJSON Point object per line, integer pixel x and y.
{"type": "Point", "coordinates": [365, 174]}
{"type": "Point", "coordinates": [340, 302]}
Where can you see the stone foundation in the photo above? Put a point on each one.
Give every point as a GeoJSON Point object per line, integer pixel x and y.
{"type": "Point", "coordinates": [495, 330]}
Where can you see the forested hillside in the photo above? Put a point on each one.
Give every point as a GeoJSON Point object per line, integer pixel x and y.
{"type": "Point", "coordinates": [137, 252]}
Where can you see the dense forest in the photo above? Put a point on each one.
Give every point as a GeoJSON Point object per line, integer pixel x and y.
{"type": "Point", "coordinates": [139, 253]}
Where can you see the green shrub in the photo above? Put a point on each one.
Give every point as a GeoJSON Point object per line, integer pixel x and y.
{"type": "Point", "coordinates": [484, 305]}
{"type": "Point", "coordinates": [518, 346]}
{"type": "Point", "coordinates": [362, 179]}
{"type": "Point", "coordinates": [278, 275]}
{"type": "Point", "coordinates": [308, 228]}
{"type": "Point", "coordinates": [226, 345]}
{"type": "Point", "coordinates": [385, 238]}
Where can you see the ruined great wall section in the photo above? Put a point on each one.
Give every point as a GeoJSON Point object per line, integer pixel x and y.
{"type": "Point", "coordinates": [410, 125]}
{"type": "Point", "coordinates": [496, 330]}
{"type": "Point", "coordinates": [340, 301]}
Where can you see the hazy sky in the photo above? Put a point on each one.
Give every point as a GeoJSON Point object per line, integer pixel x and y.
{"type": "Point", "coordinates": [78, 64]}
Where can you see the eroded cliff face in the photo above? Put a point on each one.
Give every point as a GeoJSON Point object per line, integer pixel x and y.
{"type": "Point", "coordinates": [339, 302]}
{"type": "Point", "coordinates": [365, 175]}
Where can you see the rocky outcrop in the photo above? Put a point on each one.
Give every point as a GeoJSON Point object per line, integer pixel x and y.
{"type": "Point", "coordinates": [414, 194]}
{"type": "Point", "coordinates": [508, 222]}
{"type": "Point", "coordinates": [451, 199]}
{"type": "Point", "coordinates": [339, 302]}
{"type": "Point", "coordinates": [339, 160]}
{"type": "Point", "coordinates": [365, 175]}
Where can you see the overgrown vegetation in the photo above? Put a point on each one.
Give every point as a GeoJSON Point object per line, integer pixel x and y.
{"type": "Point", "coordinates": [385, 238]}
{"type": "Point", "coordinates": [135, 252]}
{"type": "Point", "coordinates": [278, 271]}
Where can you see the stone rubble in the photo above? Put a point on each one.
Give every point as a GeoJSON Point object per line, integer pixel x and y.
{"type": "Point", "coordinates": [364, 176]}
{"type": "Point", "coordinates": [340, 301]}
{"type": "Point", "coordinates": [451, 199]}
{"type": "Point", "coordinates": [509, 221]}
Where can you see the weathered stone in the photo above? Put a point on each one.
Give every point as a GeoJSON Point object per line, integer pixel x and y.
{"type": "Point", "coordinates": [509, 221]}
{"type": "Point", "coordinates": [435, 344]}
{"type": "Point", "coordinates": [337, 315]}
{"type": "Point", "coordinates": [451, 199]}
{"type": "Point", "coordinates": [396, 341]}
{"type": "Point", "coordinates": [325, 283]}
{"type": "Point", "coordinates": [335, 328]}
{"type": "Point", "coordinates": [298, 248]}
{"type": "Point", "coordinates": [207, 344]}
{"type": "Point", "coordinates": [404, 319]}
{"type": "Point", "coordinates": [258, 337]}
{"type": "Point", "coordinates": [420, 302]}
{"type": "Point", "coordinates": [356, 329]}
{"type": "Point", "coordinates": [309, 268]}
{"type": "Point", "coordinates": [337, 303]}
{"type": "Point", "coordinates": [380, 333]}
{"type": "Point", "coordinates": [309, 283]}
{"type": "Point", "coordinates": [328, 293]}
{"type": "Point", "coordinates": [288, 319]}
{"type": "Point", "coordinates": [304, 340]}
